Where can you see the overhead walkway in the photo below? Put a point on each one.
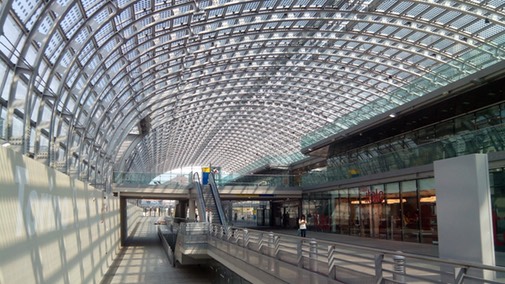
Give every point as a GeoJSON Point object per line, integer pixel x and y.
{"type": "Point", "coordinates": [244, 192]}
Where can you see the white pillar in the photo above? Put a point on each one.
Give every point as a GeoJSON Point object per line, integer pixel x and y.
{"type": "Point", "coordinates": [465, 230]}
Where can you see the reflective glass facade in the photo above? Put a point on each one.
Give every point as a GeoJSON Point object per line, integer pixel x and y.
{"type": "Point", "coordinates": [403, 211]}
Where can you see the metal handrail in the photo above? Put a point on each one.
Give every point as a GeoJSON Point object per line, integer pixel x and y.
{"type": "Point", "coordinates": [217, 200]}
{"type": "Point", "coordinates": [202, 210]}
{"type": "Point", "coordinates": [351, 263]}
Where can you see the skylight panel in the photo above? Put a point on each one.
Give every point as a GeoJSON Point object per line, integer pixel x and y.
{"type": "Point", "coordinates": [476, 27]}
{"type": "Point", "coordinates": [418, 9]}
{"type": "Point", "coordinates": [86, 53]}
{"type": "Point", "coordinates": [251, 6]}
{"type": "Point", "coordinates": [432, 13]}
{"type": "Point", "coordinates": [463, 21]}
{"type": "Point", "coordinates": [491, 31]}
{"type": "Point", "coordinates": [401, 7]}
{"type": "Point", "coordinates": [388, 30]}
{"type": "Point", "coordinates": [104, 34]}
{"type": "Point", "coordinates": [402, 33]}
{"type": "Point", "coordinates": [214, 13]}
{"type": "Point", "coordinates": [91, 6]}
{"type": "Point", "coordinates": [448, 17]}
{"type": "Point", "coordinates": [23, 9]}
{"type": "Point", "coordinates": [53, 45]}
{"type": "Point", "coordinates": [268, 4]}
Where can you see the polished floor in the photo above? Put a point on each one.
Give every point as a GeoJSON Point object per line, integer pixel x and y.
{"type": "Point", "coordinates": [143, 261]}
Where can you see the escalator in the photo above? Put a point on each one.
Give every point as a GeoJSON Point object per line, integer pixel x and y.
{"type": "Point", "coordinates": [210, 207]}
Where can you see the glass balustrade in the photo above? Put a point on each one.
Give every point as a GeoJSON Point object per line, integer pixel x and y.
{"type": "Point", "coordinates": [486, 140]}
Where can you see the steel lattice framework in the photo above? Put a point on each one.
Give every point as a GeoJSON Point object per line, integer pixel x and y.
{"type": "Point", "coordinates": [89, 86]}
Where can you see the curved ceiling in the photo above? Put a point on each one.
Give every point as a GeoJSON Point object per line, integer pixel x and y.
{"type": "Point", "coordinates": [147, 86]}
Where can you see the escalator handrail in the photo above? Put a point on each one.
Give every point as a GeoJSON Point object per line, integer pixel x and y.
{"type": "Point", "coordinates": [201, 201]}
{"type": "Point", "coordinates": [217, 200]}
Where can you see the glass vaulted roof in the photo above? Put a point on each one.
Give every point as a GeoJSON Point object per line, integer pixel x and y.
{"type": "Point", "coordinates": [93, 86]}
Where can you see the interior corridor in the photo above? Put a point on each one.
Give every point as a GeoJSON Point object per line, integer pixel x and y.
{"type": "Point", "coordinates": [143, 260]}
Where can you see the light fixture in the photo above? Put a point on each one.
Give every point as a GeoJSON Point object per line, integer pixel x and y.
{"type": "Point", "coordinates": [392, 115]}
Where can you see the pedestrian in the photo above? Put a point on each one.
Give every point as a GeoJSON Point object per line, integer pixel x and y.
{"type": "Point", "coordinates": [303, 226]}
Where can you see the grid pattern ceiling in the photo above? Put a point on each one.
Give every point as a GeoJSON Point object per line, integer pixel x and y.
{"type": "Point", "coordinates": [154, 85]}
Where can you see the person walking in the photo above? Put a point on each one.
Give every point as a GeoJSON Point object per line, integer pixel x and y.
{"type": "Point", "coordinates": [303, 226]}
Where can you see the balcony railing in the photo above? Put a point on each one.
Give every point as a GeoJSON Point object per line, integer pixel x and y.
{"type": "Point", "coordinates": [486, 140]}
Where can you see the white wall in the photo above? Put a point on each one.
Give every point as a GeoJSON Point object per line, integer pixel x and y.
{"type": "Point", "coordinates": [53, 229]}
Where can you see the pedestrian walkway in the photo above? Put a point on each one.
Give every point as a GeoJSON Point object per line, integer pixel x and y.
{"type": "Point", "coordinates": [389, 245]}
{"type": "Point", "coordinates": [142, 260]}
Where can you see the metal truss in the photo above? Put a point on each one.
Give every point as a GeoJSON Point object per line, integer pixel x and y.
{"type": "Point", "coordinates": [91, 87]}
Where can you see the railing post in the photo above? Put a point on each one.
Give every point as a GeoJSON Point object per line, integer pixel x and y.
{"type": "Point", "coordinates": [246, 238]}
{"type": "Point", "coordinates": [271, 244]}
{"type": "Point", "coordinates": [332, 270]}
{"type": "Point", "coordinates": [299, 252]}
{"type": "Point", "coordinates": [459, 274]}
{"type": "Point", "coordinates": [399, 268]}
{"type": "Point", "coordinates": [246, 245]}
{"type": "Point", "coordinates": [271, 248]}
{"type": "Point", "coordinates": [378, 267]}
{"type": "Point", "coordinates": [313, 255]}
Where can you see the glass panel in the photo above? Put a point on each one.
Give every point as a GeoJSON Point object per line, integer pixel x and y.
{"type": "Point", "coordinates": [410, 211]}
{"type": "Point", "coordinates": [366, 211]}
{"type": "Point", "coordinates": [342, 212]}
{"type": "Point", "coordinates": [394, 212]}
{"type": "Point", "coordinates": [464, 123]}
{"type": "Point", "coordinates": [445, 129]}
{"type": "Point", "coordinates": [487, 117]}
{"type": "Point", "coordinates": [497, 182]}
{"type": "Point", "coordinates": [321, 214]}
{"type": "Point", "coordinates": [379, 212]}
{"type": "Point", "coordinates": [428, 210]}
{"type": "Point", "coordinates": [355, 222]}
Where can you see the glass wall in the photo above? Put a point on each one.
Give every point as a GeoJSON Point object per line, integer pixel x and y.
{"type": "Point", "coordinates": [427, 211]}
{"type": "Point", "coordinates": [497, 181]}
{"type": "Point", "coordinates": [481, 131]}
{"type": "Point", "coordinates": [394, 211]}
{"type": "Point", "coordinates": [403, 211]}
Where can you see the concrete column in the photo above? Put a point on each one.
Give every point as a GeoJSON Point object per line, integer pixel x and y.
{"type": "Point", "coordinates": [465, 230]}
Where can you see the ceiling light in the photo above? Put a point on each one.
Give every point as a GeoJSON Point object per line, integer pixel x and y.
{"type": "Point", "coordinates": [392, 115]}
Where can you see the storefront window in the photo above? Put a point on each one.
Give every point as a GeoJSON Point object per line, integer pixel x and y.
{"type": "Point", "coordinates": [366, 211]}
{"type": "Point", "coordinates": [379, 214]}
{"type": "Point", "coordinates": [394, 212]}
{"type": "Point", "coordinates": [497, 182]}
{"type": "Point", "coordinates": [428, 210]}
{"type": "Point", "coordinates": [410, 211]}
{"type": "Point", "coordinates": [342, 213]}
{"type": "Point", "coordinates": [355, 216]}
{"type": "Point", "coordinates": [333, 211]}
{"type": "Point", "coordinates": [318, 217]}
